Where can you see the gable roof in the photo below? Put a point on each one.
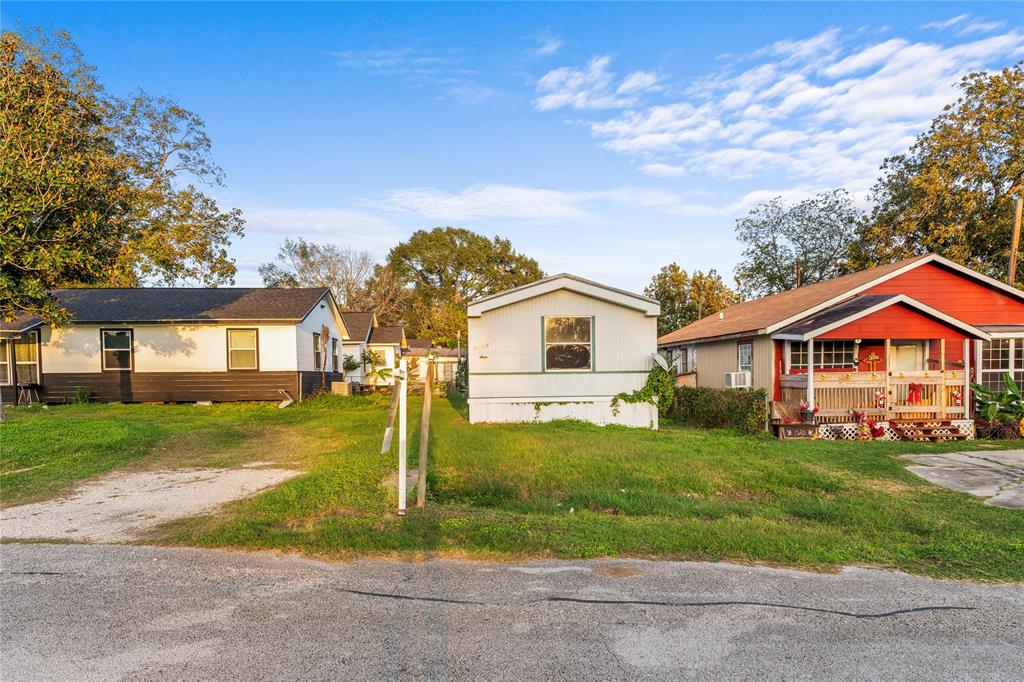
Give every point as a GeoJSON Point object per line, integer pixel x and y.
{"type": "Point", "coordinates": [388, 335]}
{"type": "Point", "coordinates": [768, 314]}
{"type": "Point", "coordinates": [420, 343]}
{"type": "Point", "coordinates": [649, 306]}
{"type": "Point", "coordinates": [359, 324]}
{"type": "Point", "coordinates": [863, 305]}
{"type": "Point", "coordinates": [176, 304]}
{"type": "Point", "coordinates": [20, 325]}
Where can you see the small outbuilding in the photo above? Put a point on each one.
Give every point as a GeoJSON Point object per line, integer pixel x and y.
{"type": "Point", "coordinates": [561, 348]}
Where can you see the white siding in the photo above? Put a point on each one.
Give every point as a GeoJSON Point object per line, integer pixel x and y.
{"type": "Point", "coordinates": [506, 374]}
{"type": "Point", "coordinates": [390, 353]}
{"type": "Point", "coordinates": [322, 314]}
{"type": "Point", "coordinates": [356, 351]}
{"type": "Point", "coordinates": [165, 348]}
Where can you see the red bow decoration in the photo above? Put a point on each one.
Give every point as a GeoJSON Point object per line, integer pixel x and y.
{"type": "Point", "coordinates": [914, 392]}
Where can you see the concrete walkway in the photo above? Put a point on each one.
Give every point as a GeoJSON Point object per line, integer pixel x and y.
{"type": "Point", "coordinates": [996, 475]}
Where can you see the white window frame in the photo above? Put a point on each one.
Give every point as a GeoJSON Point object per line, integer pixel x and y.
{"type": "Point", "coordinates": [6, 359]}
{"type": "Point", "coordinates": [739, 356]}
{"type": "Point", "coordinates": [335, 358]}
{"type": "Point", "coordinates": [1015, 367]}
{"type": "Point", "coordinates": [255, 348]}
{"type": "Point", "coordinates": [822, 348]}
{"type": "Point", "coordinates": [34, 335]}
{"type": "Point", "coordinates": [130, 349]}
{"type": "Point", "coordinates": [545, 345]}
{"type": "Point", "coordinates": [317, 352]}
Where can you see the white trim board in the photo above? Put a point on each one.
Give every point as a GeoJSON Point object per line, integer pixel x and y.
{"type": "Point", "coordinates": [647, 306]}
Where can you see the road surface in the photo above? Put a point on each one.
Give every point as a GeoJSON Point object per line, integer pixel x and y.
{"type": "Point", "coordinates": [92, 612]}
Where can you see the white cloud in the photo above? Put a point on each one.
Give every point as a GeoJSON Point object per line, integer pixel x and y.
{"type": "Point", "coordinates": [353, 228]}
{"type": "Point", "coordinates": [981, 26]}
{"type": "Point", "coordinates": [940, 25]}
{"type": "Point", "coordinates": [548, 47]}
{"type": "Point", "coordinates": [638, 81]}
{"type": "Point", "coordinates": [662, 170]}
{"type": "Point", "coordinates": [826, 109]}
{"type": "Point", "coordinates": [488, 201]}
{"type": "Point", "coordinates": [592, 87]}
{"type": "Point", "coordinates": [442, 70]}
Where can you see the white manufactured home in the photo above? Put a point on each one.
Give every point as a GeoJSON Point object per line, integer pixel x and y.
{"type": "Point", "coordinates": [561, 348]}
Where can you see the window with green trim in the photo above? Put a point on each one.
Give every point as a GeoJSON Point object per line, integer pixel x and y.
{"type": "Point", "coordinates": [568, 343]}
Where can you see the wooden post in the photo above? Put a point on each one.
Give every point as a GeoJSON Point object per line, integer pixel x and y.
{"type": "Point", "coordinates": [402, 452]}
{"type": "Point", "coordinates": [421, 481]}
{"type": "Point", "coordinates": [888, 374]}
{"type": "Point", "coordinates": [810, 374]}
{"type": "Point", "coordinates": [1015, 243]}
{"type": "Point", "coordinates": [967, 379]}
{"type": "Point", "coordinates": [392, 412]}
{"type": "Point", "coordinates": [942, 373]}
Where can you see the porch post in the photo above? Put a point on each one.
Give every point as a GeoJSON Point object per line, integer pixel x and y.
{"type": "Point", "coordinates": [888, 374]}
{"type": "Point", "coordinates": [810, 374]}
{"type": "Point", "coordinates": [942, 374]}
{"type": "Point", "coordinates": [967, 379]}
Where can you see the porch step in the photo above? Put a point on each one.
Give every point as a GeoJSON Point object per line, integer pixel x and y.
{"type": "Point", "coordinates": [927, 430]}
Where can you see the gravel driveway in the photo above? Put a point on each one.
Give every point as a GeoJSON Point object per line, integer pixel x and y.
{"type": "Point", "coordinates": [122, 506]}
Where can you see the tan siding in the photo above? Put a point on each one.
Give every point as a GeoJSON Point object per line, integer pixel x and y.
{"type": "Point", "coordinates": [716, 358]}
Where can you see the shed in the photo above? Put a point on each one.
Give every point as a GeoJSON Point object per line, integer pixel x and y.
{"type": "Point", "coordinates": [561, 348]}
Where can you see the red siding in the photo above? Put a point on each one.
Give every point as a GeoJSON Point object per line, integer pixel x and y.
{"type": "Point", "coordinates": [954, 294]}
{"type": "Point", "coordinates": [902, 322]}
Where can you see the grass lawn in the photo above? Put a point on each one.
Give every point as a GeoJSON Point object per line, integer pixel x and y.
{"type": "Point", "coordinates": [500, 491]}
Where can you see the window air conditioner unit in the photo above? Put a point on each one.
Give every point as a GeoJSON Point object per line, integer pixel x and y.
{"type": "Point", "coordinates": [737, 379]}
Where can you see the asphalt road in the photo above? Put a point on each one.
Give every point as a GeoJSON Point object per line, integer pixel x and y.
{"type": "Point", "coordinates": [91, 612]}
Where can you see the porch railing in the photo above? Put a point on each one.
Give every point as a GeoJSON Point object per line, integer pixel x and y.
{"type": "Point", "coordinates": [932, 394]}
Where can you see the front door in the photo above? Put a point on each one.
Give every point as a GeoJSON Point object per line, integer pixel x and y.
{"type": "Point", "coordinates": [906, 356]}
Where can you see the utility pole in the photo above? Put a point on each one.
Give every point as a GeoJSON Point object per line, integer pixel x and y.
{"type": "Point", "coordinates": [797, 273]}
{"type": "Point", "coordinates": [1015, 242]}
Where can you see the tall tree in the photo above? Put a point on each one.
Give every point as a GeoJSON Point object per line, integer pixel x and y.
{"type": "Point", "coordinates": [815, 232]}
{"type": "Point", "coordinates": [93, 189]}
{"type": "Point", "coordinates": [301, 263]}
{"type": "Point", "coordinates": [953, 192]}
{"type": "Point", "coordinates": [386, 295]}
{"type": "Point", "coordinates": [685, 299]}
{"type": "Point", "coordinates": [448, 267]}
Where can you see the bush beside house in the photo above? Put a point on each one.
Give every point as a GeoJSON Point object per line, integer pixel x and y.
{"type": "Point", "coordinates": [722, 408]}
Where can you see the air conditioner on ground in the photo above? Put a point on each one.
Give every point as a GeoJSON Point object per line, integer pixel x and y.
{"type": "Point", "coordinates": [737, 379]}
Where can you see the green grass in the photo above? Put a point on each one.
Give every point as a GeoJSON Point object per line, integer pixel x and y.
{"type": "Point", "coordinates": [562, 490]}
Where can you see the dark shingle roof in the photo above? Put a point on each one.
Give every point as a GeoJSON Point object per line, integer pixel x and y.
{"type": "Point", "coordinates": [188, 304]}
{"type": "Point", "coordinates": [358, 324]}
{"type": "Point", "coordinates": [420, 343]}
{"type": "Point", "coordinates": [22, 323]}
{"type": "Point", "coordinates": [1002, 328]}
{"type": "Point", "coordinates": [836, 313]}
{"type": "Point", "coordinates": [387, 335]}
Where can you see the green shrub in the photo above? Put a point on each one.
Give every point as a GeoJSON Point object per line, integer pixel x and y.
{"type": "Point", "coordinates": [723, 408]}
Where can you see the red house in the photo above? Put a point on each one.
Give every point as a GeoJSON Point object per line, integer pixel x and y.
{"type": "Point", "coordinates": [898, 343]}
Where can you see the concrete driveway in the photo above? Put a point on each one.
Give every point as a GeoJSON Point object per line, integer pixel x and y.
{"type": "Point", "coordinates": [995, 475]}
{"type": "Point", "coordinates": [107, 612]}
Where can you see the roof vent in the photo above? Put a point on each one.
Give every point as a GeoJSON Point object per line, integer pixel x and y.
{"type": "Point", "coordinates": [721, 315]}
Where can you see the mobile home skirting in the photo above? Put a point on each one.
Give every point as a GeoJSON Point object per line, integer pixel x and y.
{"type": "Point", "coordinates": [596, 409]}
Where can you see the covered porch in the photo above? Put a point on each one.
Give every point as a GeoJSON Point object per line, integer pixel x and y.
{"type": "Point", "coordinates": [887, 359]}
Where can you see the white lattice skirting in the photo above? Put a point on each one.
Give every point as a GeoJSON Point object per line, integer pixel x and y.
{"type": "Point", "coordinates": [851, 431]}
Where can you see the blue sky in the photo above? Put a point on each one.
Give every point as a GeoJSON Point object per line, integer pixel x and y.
{"type": "Point", "coordinates": [605, 140]}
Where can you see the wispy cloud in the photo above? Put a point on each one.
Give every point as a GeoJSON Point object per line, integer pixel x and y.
{"type": "Point", "coordinates": [547, 46]}
{"type": "Point", "coordinates": [443, 70]}
{"type": "Point", "coordinates": [591, 87]}
{"type": "Point", "coordinates": [946, 23]}
{"type": "Point", "coordinates": [353, 228]}
{"type": "Point", "coordinates": [821, 110]}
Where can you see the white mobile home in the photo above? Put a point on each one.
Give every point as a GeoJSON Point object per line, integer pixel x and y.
{"type": "Point", "coordinates": [176, 344]}
{"type": "Point", "coordinates": [561, 348]}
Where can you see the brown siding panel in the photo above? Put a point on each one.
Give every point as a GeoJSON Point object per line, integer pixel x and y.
{"type": "Point", "coordinates": [171, 386]}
